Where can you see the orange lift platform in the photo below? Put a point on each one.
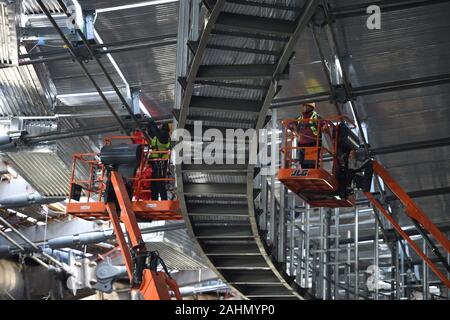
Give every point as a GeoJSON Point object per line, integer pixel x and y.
{"type": "Point", "coordinates": [118, 188]}
{"type": "Point", "coordinates": [86, 200]}
{"type": "Point", "coordinates": [322, 175]}
{"type": "Point", "coordinates": [315, 180]}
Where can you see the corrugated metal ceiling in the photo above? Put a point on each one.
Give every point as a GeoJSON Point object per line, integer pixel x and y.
{"type": "Point", "coordinates": [152, 69]}
{"type": "Point", "coordinates": [411, 44]}
{"type": "Point", "coordinates": [44, 171]}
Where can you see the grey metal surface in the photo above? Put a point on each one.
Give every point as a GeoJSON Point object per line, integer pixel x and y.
{"type": "Point", "coordinates": [218, 202]}
{"type": "Point", "coordinates": [152, 69]}
{"type": "Point", "coordinates": [21, 93]}
{"type": "Point", "coordinates": [412, 43]}
{"type": "Point", "coordinates": [44, 171]}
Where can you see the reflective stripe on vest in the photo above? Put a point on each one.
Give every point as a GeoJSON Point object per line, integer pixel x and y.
{"type": "Point", "coordinates": [313, 122]}
{"type": "Point", "coordinates": [158, 146]}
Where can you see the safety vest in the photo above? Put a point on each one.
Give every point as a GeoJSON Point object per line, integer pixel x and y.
{"type": "Point", "coordinates": [313, 123]}
{"type": "Point", "coordinates": [158, 146]}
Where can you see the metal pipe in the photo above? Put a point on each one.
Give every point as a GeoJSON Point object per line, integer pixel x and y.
{"type": "Point", "coordinates": [376, 259]}
{"type": "Point", "coordinates": [130, 43]}
{"type": "Point", "coordinates": [328, 266]}
{"type": "Point", "coordinates": [349, 234]}
{"type": "Point", "coordinates": [96, 237]}
{"type": "Point", "coordinates": [11, 240]}
{"type": "Point", "coordinates": [100, 64]}
{"type": "Point", "coordinates": [322, 263]}
{"type": "Point", "coordinates": [378, 88]}
{"type": "Point", "coordinates": [282, 226]}
{"type": "Point", "coordinates": [273, 206]}
{"type": "Point", "coordinates": [22, 249]}
{"type": "Point", "coordinates": [300, 276]}
{"type": "Point", "coordinates": [448, 272]}
{"type": "Point", "coordinates": [425, 287]}
{"type": "Point", "coordinates": [397, 271]}
{"type": "Point", "coordinates": [101, 52]}
{"type": "Point", "coordinates": [189, 291]}
{"type": "Point", "coordinates": [23, 200]}
{"type": "Point", "coordinates": [336, 254]}
{"type": "Point", "coordinates": [79, 132]}
{"type": "Point", "coordinates": [292, 244]}
{"type": "Point", "coordinates": [307, 239]}
{"type": "Point", "coordinates": [356, 254]}
{"type": "Point", "coordinates": [324, 67]}
{"type": "Point", "coordinates": [32, 244]}
{"type": "Point", "coordinates": [73, 52]}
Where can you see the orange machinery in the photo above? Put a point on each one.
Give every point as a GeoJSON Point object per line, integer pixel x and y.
{"type": "Point", "coordinates": [328, 181]}
{"type": "Point", "coordinates": [105, 195]}
{"type": "Point", "coordinates": [318, 184]}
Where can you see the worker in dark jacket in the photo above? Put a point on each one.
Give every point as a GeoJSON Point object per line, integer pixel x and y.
{"type": "Point", "coordinates": [160, 161]}
{"type": "Point", "coordinates": [307, 127]}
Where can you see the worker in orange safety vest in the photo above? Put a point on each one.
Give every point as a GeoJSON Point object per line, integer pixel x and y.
{"type": "Point", "coordinates": [307, 127]}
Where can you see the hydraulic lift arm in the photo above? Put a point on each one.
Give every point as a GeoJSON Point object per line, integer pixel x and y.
{"type": "Point", "coordinates": [143, 275]}
{"type": "Point", "coordinates": [419, 218]}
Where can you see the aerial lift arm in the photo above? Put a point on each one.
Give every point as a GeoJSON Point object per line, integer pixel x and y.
{"type": "Point", "coordinates": [122, 162]}
{"type": "Point", "coordinates": [330, 181]}
{"type": "Point", "coordinates": [144, 275]}
{"type": "Point", "coordinates": [419, 218]}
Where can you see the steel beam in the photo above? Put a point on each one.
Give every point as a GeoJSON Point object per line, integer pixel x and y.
{"type": "Point", "coordinates": [236, 72]}
{"type": "Point", "coordinates": [84, 68]}
{"type": "Point", "coordinates": [226, 104]}
{"type": "Point", "coordinates": [250, 23]}
{"type": "Point", "coordinates": [64, 56]}
{"type": "Point", "coordinates": [249, 35]}
{"type": "Point", "coordinates": [87, 44]}
{"type": "Point", "coordinates": [276, 6]}
{"type": "Point", "coordinates": [411, 146]}
{"type": "Point", "coordinates": [378, 88]}
{"type": "Point", "coordinates": [212, 188]}
{"type": "Point", "coordinates": [194, 44]}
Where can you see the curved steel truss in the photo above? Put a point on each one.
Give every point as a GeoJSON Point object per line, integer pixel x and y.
{"type": "Point", "coordinates": [236, 63]}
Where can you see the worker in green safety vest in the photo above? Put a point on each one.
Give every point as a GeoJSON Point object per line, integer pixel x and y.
{"type": "Point", "coordinates": [160, 161]}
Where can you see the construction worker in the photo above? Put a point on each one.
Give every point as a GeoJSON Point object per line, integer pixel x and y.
{"type": "Point", "coordinates": [160, 161]}
{"type": "Point", "coordinates": [138, 137]}
{"type": "Point", "coordinates": [307, 128]}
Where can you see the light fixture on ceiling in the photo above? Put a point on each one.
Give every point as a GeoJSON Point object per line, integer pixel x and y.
{"type": "Point", "coordinates": [135, 5]}
{"type": "Point", "coordinates": [82, 94]}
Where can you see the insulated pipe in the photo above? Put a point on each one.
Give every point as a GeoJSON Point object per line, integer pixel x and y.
{"type": "Point", "coordinates": [189, 291]}
{"type": "Point", "coordinates": [90, 238]}
{"type": "Point", "coordinates": [5, 140]}
{"type": "Point", "coordinates": [5, 251]}
{"type": "Point", "coordinates": [102, 236]}
{"type": "Point", "coordinates": [12, 284]}
{"type": "Point", "coordinates": [8, 146]}
{"type": "Point", "coordinates": [26, 199]}
{"type": "Point", "coordinates": [82, 239]}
